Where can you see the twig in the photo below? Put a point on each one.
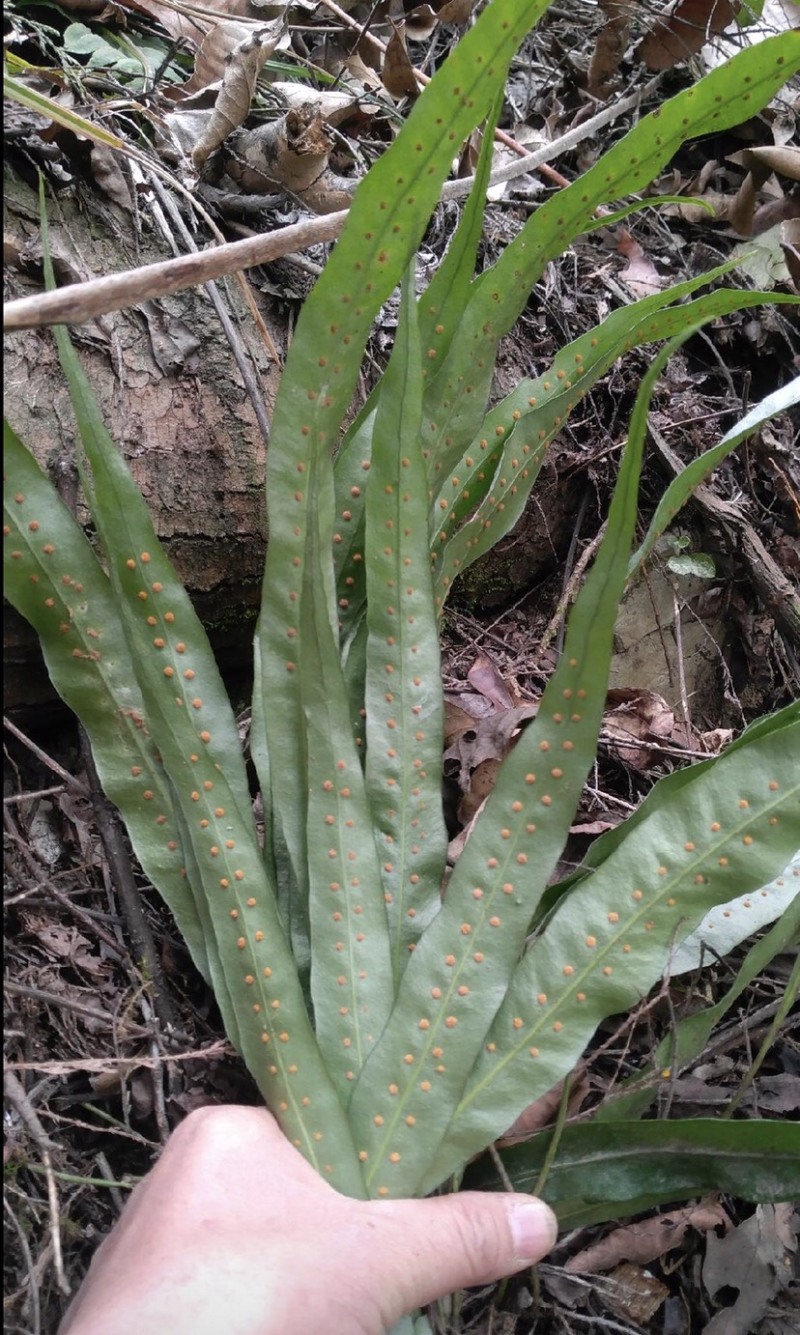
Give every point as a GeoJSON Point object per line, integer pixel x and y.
{"type": "Point", "coordinates": [15, 1093]}
{"type": "Point", "coordinates": [98, 296]}
{"type": "Point", "coordinates": [143, 942]}
{"type": "Point", "coordinates": [32, 1284]}
{"type": "Point", "coordinates": [69, 780]}
{"type": "Point", "coordinates": [128, 1030]}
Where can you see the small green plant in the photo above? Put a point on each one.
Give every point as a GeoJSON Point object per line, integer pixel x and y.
{"type": "Point", "coordinates": [395, 1032]}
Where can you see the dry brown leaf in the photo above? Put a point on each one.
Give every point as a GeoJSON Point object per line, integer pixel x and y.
{"type": "Point", "coordinates": [756, 1259]}
{"type": "Point", "coordinates": [645, 1241]}
{"type": "Point", "coordinates": [636, 715]}
{"type": "Point", "coordinates": [641, 276]}
{"type": "Point", "coordinates": [633, 1295]}
{"type": "Point", "coordinates": [683, 31]}
{"type": "Point", "coordinates": [456, 11]}
{"type": "Point", "coordinates": [486, 679]}
{"type": "Point", "coordinates": [544, 1110]}
{"type": "Point", "coordinates": [399, 78]}
{"type": "Point", "coordinates": [610, 47]}
{"type": "Point", "coordinates": [241, 64]}
{"type": "Point", "coordinates": [420, 23]}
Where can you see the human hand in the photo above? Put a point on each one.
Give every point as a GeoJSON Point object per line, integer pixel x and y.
{"type": "Point", "coordinates": [233, 1233]}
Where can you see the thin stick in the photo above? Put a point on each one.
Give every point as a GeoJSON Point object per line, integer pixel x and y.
{"type": "Point", "coordinates": [98, 296]}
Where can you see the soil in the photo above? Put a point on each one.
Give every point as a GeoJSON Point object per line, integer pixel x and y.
{"type": "Point", "coordinates": [111, 1036]}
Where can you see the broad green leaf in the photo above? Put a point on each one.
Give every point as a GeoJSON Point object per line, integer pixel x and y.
{"type": "Point", "coordinates": [609, 940]}
{"type": "Point", "coordinates": [687, 482]}
{"type": "Point", "coordinates": [412, 1083]}
{"type": "Point", "coordinates": [403, 699]}
{"type": "Point", "coordinates": [497, 298]}
{"type": "Point", "coordinates": [187, 710]}
{"type": "Point", "coordinates": [603, 1172]}
{"type": "Point", "coordinates": [351, 969]}
{"type": "Point", "coordinates": [54, 579]}
{"type": "Point", "coordinates": [385, 224]}
{"type": "Point", "coordinates": [691, 1033]}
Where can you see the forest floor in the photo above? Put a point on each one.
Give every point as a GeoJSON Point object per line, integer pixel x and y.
{"type": "Point", "coordinates": [112, 1037]}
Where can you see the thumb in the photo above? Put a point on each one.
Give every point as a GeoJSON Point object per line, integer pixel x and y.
{"type": "Point", "coordinates": [426, 1249]}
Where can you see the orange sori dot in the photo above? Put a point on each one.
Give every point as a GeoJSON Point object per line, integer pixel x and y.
{"type": "Point", "coordinates": [148, 794]}
{"type": "Point", "coordinates": [258, 936]}
{"type": "Point", "coordinates": [142, 596]}
{"type": "Point", "coordinates": [451, 1022]}
{"type": "Point", "coordinates": [394, 1157]}
{"type": "Point", "coordinates": [158, 642]}
{"type": "Point", "coordinates": [479, 957]}
{"type": "Point", "coordinates": [251, 903]}
{"type": "Point", "coordinates": [613, 917]}
{"type": "Point", "coordinates": [383, 1191]}
{"type": "Point", "coordinates": [608, 970]}
{"type": "Point", "coordinates": [48, 549]}
{"type": "Point", "coordinates": [158, 588]}
{"type": "Point", "coordinates": [169, 672]}
{"type": "Point", "coordinates": [568, 971]}
{"type": "Point", "coordinates": [715, 826]}
{"type": "Point", "coordinates": [218, 811]}
{"type": "Point", "coordinates": [517, 1022]}
{"type": "Point", "coordinates": [544, 746]}
{"type": "Point", "coordinates": [205, 736]}
{"type": "Point", "coordinates": [436, 992]}
{"type": "Point", "coordinates": [424, 1024]}
{"type": "Point", "coordinates": [410, 1121]}
{"type": "Point", "coordinates": [591, 942]}
{"type": "Point", "coordinates": [378, 1120]}
{"type": "Point", "coordinates": [637, 895]}
{"type": "Point", "coordinates": [197, 703]}
{"type": "Point", "coordinates": [580, 996]}
{"type": "Point", "coordinates": [747, 840]}
{"type": "Point", "coordinates": [136, 771]}
{"type": "Point", "coordinates": [241, 943]}
{"type": "Point", "coordinates": [522, 858]}
{"type": "Point", "coordinates": [425, 1086]}
{"type": "Point", "coordinates": [152, 621]}
{"type": "Point", "coordinates": [238, 875]}
{"type": "Point", "coordinates": [534, 1052]}
{"type": "Point", "coordinates": [463, 991]}
{"type": "Point", "coordinates": [130, 563]}
{"type": "Point", "coordinates": [547, 801]}
{"type": "Point", "coordinates": [494, 922]}
{"type": "Point", "coordinates": [465, 929]}
{"type": "Point", "coordinates": [530, 778]}
{"type": "Point", "coordinates": [224, 882]}
{"type": "Point", "coordinates": [773, 786]}
{"type": "Point", "coordinates": [168, 616]}
{"type": "Point", "coordinates": [450, 960]}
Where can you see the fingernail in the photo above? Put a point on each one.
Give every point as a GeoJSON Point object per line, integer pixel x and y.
{"type": "Point", "coordinates": [534, 1229]}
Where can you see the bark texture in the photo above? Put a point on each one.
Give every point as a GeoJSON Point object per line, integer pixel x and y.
{"type": "Point", "coordinates": [172, 397]}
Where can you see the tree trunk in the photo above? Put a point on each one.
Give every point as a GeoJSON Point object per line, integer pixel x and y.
{"type": "Point", "coordinates": [173, 399]}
